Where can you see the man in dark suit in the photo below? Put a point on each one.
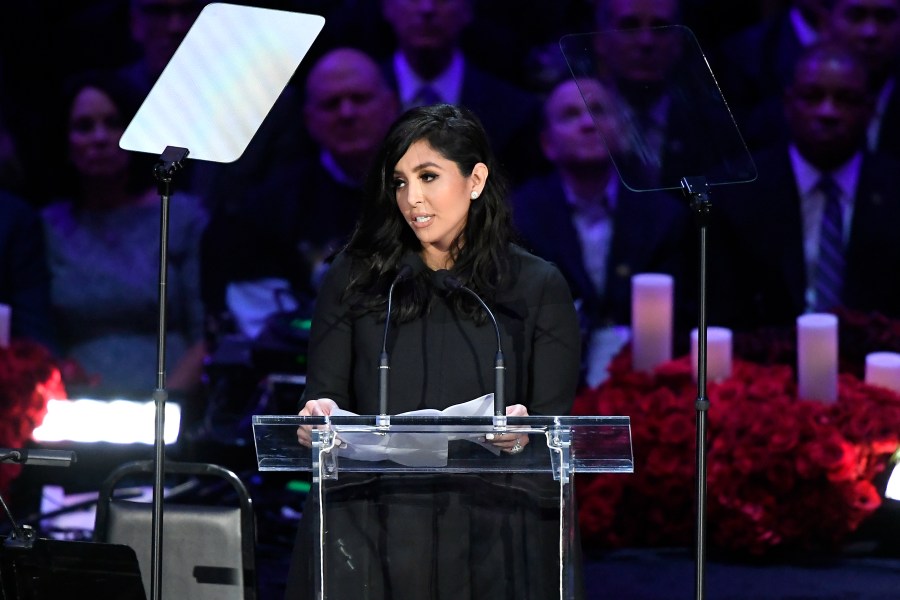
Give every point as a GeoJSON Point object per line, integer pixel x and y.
{"type": "Point", "coordinates": [755, 65]}
{"type": "Point", "coordinates": [818, 228]}
{"type": "Point", "coordinates": [429, 66]}
{"type": "Point", "coordinates": [672, 111]}
{"type": "Point", "coordinates": [597, 231]}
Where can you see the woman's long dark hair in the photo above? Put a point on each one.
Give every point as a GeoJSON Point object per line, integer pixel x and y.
{"type": "Point", "coordinates": [127, 99]}
{"type": "Point", "coordinates": [383, 238]}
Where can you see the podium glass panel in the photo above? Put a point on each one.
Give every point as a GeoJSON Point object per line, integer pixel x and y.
{"type": "Point", "coordinates": [395, 508]}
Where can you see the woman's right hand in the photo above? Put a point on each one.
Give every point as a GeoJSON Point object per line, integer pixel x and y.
{"type": "Point", "coordinates": [313, 408]}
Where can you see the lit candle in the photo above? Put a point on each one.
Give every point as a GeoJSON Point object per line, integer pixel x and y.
{"type": "Point", "coordinates": [718, 353]}
{"type": "Point", "coordinates": [5, 314]}
{"type": "Point", "coordinates": [651, 320]}
{"type": "Point", "coordinates": [883, 370]}
{"type": "Point", "coordinates": [817, 357]}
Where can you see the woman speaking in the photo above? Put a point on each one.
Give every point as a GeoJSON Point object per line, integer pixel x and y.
{"type": "Point", "coordinates": [435, 202]}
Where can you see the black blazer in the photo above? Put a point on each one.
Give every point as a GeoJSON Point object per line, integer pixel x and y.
{"type": "Point", "coordinates": [759, 276]}
{"type": "Point", "coordinates": [651, 233]}
{"type": "Point", "coordinates": [442, 359]}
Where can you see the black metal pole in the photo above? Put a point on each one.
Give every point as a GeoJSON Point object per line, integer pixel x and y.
{"type": "Point", "coordinates": [697, 192]}
{"type": "Point", "coordinates": [170, 162]}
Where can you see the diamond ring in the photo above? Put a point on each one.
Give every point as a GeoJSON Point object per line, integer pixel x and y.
{"type": "Point", "coordinates": [517, 448]}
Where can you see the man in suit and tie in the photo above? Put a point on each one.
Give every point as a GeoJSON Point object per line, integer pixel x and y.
{"type": "Point", "coordinates": [591, 226]}
{"type": "Point", "coordinates": [755, 65]}
{"type": "Point", "coordinates": [429, 66]}
{"type": "Point", "coordinates": [677, 122]}
{"type": "Point", "coordinates": [818, 229]}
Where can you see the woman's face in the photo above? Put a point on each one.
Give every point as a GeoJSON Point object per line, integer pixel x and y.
{"type": "Point", "coordinates": [95, 127]}
{"type": "Point", "coordinates": [433, 196]}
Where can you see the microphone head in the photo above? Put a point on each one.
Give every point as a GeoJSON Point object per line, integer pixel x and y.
{"type": "Point", "coordinates": [445, 281]}
{"type": "Point", "coordinates": [408, 267]}
{"type": "Point", "coordinates": [404, 273]}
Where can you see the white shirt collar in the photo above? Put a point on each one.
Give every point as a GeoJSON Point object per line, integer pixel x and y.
{"type": "Point", "coordinates": [805, 32]}
{"type": "Point", "coordinates": [807, 176]}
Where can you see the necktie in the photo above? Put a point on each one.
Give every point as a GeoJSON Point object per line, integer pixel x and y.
{"type": "Point", "coordinates": [425, 96]}
{"type": "Point", "coordinates": [830, 265]}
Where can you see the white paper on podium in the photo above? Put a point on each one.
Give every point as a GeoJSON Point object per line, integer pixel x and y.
{"type": "Point", "coordinates": [222, 81]}
{"type": "Point", "coordinates": [415, 449]}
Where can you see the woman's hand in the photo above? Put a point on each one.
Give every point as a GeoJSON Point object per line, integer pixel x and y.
{"type": "Point", "coordinates": [511, 443]}
{"type": "Point", "coordinates": [313, 408]}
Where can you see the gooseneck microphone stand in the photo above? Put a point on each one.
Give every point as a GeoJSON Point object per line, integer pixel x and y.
{"type": "Point", "coordinates": [170, 161]}
{"type": "Point", "coordinates": [696, 190]}
{"type": "Point", "coordinates": [22, 536]}
{"type": "Point", "coordinates": [450, 283]}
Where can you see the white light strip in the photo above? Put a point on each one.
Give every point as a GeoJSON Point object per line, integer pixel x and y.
{"type": "Point", "coordinates": [893, 485]}
{"type": "Point", "coordinates": [113, 421]}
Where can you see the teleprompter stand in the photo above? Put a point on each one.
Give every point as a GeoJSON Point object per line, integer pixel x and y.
{"type": "Point", "coordinates": [211, 98]}
{"type": "Point", "coordinates": [666, 126]}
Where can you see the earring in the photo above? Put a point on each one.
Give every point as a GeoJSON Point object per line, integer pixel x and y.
{"type": "Point", "coordinates": [474, 195]}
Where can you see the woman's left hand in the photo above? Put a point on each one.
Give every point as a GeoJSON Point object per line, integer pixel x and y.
{"type": "Point", "coordinates": [511, 443]}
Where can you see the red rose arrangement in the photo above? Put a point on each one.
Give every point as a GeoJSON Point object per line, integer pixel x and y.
{"type": "Point", "coordinates": [782, 473]}
{"type": "Point", "coordinates": [28, 379]}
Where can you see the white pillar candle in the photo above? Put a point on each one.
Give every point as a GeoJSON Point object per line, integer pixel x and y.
{"type": "Point", "coordinates": [651, 320]}
{"type": "Point", "coordinates": [883, 370]}
{"type": "Point", "coordinates": [817, 357]}
{"type": "Point", "coordinates": [5, 315]}
{"type": "Point", "coordinates": [718, 353]}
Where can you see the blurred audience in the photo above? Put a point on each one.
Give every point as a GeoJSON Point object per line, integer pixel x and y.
{"type": "Point", "coordinates": [263, 249]}
{"type": "Point", "coordinates": [430, 66]}
{"type": "Point", "coordinates": [103, 247]}
{"type": "Point", "coordinates": [157, 28]}
{"type": "Point", "coordinates": [755, 65]}
{"type": "Point", "coordinates": [24, 276]}
{"type": "Point", "coordinates": [817, 230]}
{"type": "Point", "coordinates": [872, 27]}
{"type": "Point", "coordinates": [672, 113]}
{"type": "Point", "coordinates": [596, 231]}
{"type": "Point", "coordinates": [294, 195]}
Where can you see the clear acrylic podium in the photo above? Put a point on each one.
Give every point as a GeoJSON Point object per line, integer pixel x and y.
{"type": "Point", "coordinates": [372, 480]}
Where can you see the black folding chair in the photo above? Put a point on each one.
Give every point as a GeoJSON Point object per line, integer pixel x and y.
{"type": "Point", "coordinates": [208, 551]}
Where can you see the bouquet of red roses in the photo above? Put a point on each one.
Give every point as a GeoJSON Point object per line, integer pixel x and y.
{"type": "Point", "coordinates": [28, 378]}
{"type": "Point", "coordinates": [782, 473]}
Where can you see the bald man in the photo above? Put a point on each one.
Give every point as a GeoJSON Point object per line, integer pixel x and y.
{"type": "Point", "coordinates": [348, 109]}
{"type": "Point", "coordinates": [274, 240]}
{"type": "Point", "coordinates": [599, 234]}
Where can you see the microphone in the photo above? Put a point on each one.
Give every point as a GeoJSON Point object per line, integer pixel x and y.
{"type": "Point", "coordinates": [23, 535]}
{"type": "Point", "coordinates": [445, 281]}
{"type": "Point", "coordinates": [47, 458]}
{"type": "Point", "coordinates": [407, 269]}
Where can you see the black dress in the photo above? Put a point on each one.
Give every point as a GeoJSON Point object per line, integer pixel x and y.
{"type": "Point", "coordinates": [422, 537]}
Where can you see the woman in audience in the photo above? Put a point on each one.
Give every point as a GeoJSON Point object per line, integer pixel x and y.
{"type": "Point", "coordinates": [103, 240]}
